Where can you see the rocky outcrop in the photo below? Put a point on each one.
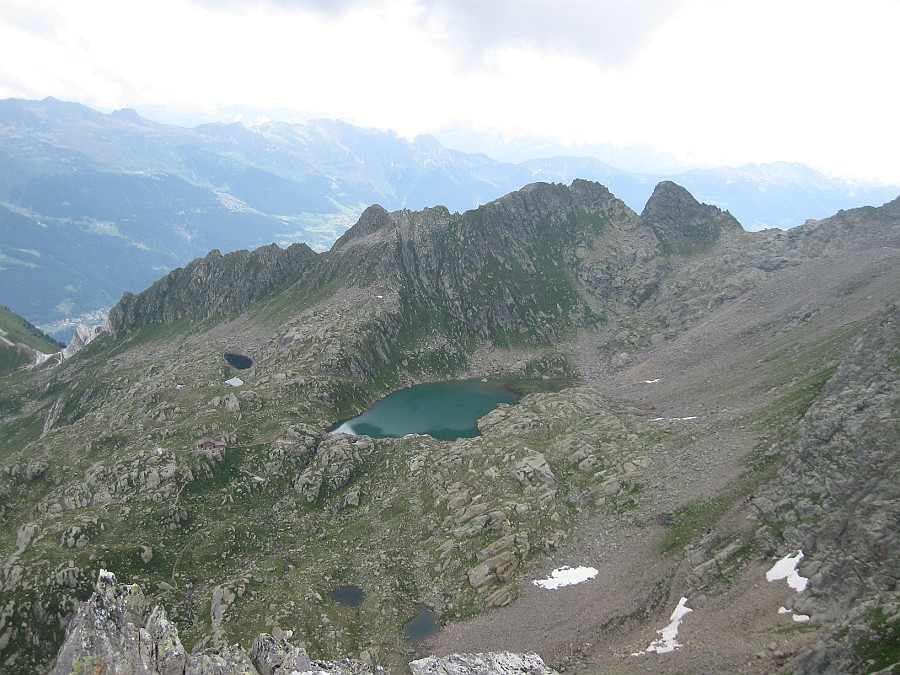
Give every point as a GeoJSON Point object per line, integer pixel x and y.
{"type": "Point", "coordinates": [332, 466]}
{"type": "Point", "coordinates": [82, 338]}
{"type": "Point", "coordinates": [116, 630]}
{"type": "Point", "coordinates": [216, 285]}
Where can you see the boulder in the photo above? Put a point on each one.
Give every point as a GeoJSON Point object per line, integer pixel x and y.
{"type": "Point", "coordinates": [534, 468]}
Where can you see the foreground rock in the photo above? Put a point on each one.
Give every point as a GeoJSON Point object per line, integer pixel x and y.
{"type": "Point", "coordinates": [500, 663]}
{"type": "Point", "coordinates": [116, 631]}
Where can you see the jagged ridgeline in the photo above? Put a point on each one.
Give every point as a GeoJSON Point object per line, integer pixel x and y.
{"type": "Point", "coordinates": [217, 488]}
{"type": "Point", "coordinates": [214, 286]}
{"type": "Point", "coordinates": [526, 268]}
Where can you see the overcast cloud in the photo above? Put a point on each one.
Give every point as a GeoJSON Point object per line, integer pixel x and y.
{"type": "Point", "coordinates": [707, 81]}
{"type": "Point", "coordinates": [609, 32]}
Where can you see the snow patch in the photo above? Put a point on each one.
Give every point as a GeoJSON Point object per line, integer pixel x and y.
{"type": "Point", "coordinates": [786, 568]}
{"type": "Point", "coordinates": [651, 381]}
{"type": "Point", "coordinates": [667, 641]}
{"type": "Point", "coordinates": [235, 382]}
{"type": "Point", "coordinates": [566, 576]}
{"type": "Point", "coordinates": [673, 419]}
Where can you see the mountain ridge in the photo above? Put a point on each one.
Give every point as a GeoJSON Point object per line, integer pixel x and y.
{"type": "Point", "coordinates": [215, 285]}
{"type": "Point", "coordinates": [146, 198]}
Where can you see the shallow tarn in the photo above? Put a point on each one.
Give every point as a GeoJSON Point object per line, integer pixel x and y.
{"type": "Point", "coordinates": [238, 361]}
{"type": "Point", "coordinates": [349, 595]}
{"type": "Point", "coordinates": [423, 625]}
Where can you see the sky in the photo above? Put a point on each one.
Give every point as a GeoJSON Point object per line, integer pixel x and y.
{"type": "Point", "coordinates": [702, 82]}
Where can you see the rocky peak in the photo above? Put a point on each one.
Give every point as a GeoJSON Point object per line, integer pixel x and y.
{"type": "Point", "coordinates": [681, 223]}
{"type": "Point", "coordinates": [373, 219]}
{"type": "Point", "coordinates": [128, 115]}
{"type": "Point", "coordinates": [83, 336]}
{"type": "Point", "coordinates": [590, 192]}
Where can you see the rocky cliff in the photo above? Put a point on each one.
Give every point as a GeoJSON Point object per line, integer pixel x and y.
{"type": "Point", "coordinates": [682, 224]}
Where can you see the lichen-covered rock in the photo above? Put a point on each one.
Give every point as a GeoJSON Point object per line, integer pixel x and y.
{"type": "Point", "coordinates": [231, 660]}
{"type": "Point", "coordinates": [106, 632]}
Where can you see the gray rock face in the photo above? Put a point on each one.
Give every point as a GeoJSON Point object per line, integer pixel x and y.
{"type": "Point", "coordinates": [496, 663]}
{"type": "Point", "coordinates": [108, 629]}
{"type": "Point", "coordinates": [534, 468]}
{"type": "Point", "coordinates": [842, 493]}
{"type": "Point", "coordinates": [115, 631]}
{"type": "Point", "coordinates": [272, 656]}
{"type": "Point", "coordinates": [82, 337]}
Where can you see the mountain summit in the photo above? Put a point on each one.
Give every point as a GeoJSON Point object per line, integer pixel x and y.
{"type": "Point", "coordinates": [681, 223]}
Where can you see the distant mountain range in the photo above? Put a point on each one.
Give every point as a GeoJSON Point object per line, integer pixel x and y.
{"type": "Point", "coordinates": [94, 204]}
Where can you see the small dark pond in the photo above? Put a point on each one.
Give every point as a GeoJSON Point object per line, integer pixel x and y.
{"type": "Point", "coordinates": [238, 361]}
{"type": "Point", "coordinates": [442, 409]}
{"type": "Point", "coordinates": [425, 624]}
{"type": "Point", "coordinates": [352, 596]}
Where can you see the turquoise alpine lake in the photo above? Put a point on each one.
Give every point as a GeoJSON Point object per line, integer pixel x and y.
{"type": "Point", "coordinates": [444, 410]}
